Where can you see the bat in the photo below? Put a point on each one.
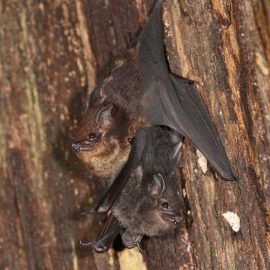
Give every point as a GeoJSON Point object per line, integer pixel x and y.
{"type": "Point", "coordinates": [142, 92]}
{"type": "Point", "coordinates": [149, 203]}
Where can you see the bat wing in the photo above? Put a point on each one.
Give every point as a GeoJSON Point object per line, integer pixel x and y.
{"type": "Point", "coordinates": [177, 104]}
{"type": "Point", "coordinates": [150, 44]}
{"type": "Point", "coordinates": [107, 235]}
{"type": "Point", "coordinates": [114, 190]}
{"type": "Point", "coordinates": [174, 101]}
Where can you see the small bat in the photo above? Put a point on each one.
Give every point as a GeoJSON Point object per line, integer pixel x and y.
{"type": "Point", "coordinates": [149, 203]}
{"type": "Point", "coordinates": [142, 92]}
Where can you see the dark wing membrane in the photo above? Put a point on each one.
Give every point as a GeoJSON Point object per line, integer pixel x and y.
{"type": "Point", "coordinates": [107, 235]}
{"type": "Point", "coordinates": [181, 107]}
{"type": "Point", "coordinates": [106, 202]}
{"type": "Point", "coordinates": [174, 101]}
{"type": "Point", "coordinates": [150, 43]}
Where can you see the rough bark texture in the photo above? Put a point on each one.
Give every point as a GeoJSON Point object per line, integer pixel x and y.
{"type": "Point", "coordinates": [52, 52]}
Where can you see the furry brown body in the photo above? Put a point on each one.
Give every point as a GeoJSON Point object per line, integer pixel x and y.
{"type": "Point", "coordinates": [110, 151]}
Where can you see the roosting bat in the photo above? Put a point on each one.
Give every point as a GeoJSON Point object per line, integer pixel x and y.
{"type": "Point", "coordinates": [142, 92]}
{"type": "Point", "coordinates": [149, 203]}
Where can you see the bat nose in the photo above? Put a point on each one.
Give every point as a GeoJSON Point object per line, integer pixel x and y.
{"type": "Point", "coordinates": [173, 217]}
{"type": "Point", "coordinates": [76, 147]}
{"type": "Point", "coordinates": [85, 145]}
{"type": "Point", "coordinates": [176, 220]}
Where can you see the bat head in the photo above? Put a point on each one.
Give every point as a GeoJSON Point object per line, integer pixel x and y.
{"type": "Point", "coordinates": [150, 203]}
{"type": "Point", "coordinates": [101, 140]}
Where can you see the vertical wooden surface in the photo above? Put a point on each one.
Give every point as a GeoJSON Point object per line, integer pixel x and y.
{"type": "Point", "coordinates": [52, 53]}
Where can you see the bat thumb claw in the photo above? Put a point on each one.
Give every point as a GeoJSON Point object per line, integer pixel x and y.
{"type": "Point", "coordinates": [100, 209]}
{"type": "Point", "coordinates": [91, 243]}
{"type": "Point", "coordinates": [88, 212]}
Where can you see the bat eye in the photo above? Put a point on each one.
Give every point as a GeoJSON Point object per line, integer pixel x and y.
{"type": "Point", "coordinates": [165, 205]}
{"type": "Point", "coordinates": [131, 140]}
{"type": "Point", "coordinates": [91, 136]}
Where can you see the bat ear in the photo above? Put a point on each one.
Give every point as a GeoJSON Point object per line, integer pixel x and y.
{"type": "Point", "coordinates": [104, 117]}
{"type": "Point", "coordinates": [157, 185]}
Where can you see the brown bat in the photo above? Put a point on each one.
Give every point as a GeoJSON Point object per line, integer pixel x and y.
{"type": "Point", "coordinates": [141, 92]}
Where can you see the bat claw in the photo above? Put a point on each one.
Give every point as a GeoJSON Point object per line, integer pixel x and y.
{"type": "Point", "coordinates": [101, 209]}
{"type": "Point", "coordinates": [91, 243]}
{"type": "Point", "coordinates": [88, 212]}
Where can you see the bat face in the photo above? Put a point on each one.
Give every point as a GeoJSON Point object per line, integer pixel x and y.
{"type": "Point", "coordinates": [102, 139]}
{"type": "Point", "coordinates": [153, 208]}
{"type": "Point", "coordinates": [164, 204]}
{"type": "Point", "coordinates": [150, 203]}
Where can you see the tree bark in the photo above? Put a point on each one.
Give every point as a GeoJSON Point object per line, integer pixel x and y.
{"type": "Point", "coordinates": [52, 53]}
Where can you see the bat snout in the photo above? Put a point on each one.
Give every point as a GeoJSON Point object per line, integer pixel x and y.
{"type": "Point", "coordinates": [86, 145]}
{"type": "Point", "coordinates": [82, 146]}
{"type": "Point", "coordinates": [172, 218]}
{"type": "Point", "coordinates": [176, 220]}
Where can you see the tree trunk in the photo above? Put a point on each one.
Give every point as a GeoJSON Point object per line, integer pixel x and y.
{"type": "Point", "coordinates": [52, 52]}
